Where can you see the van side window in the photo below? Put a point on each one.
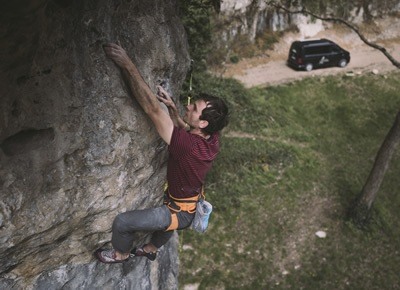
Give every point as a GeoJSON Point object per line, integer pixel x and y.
{"type": "Point", "coordinates": [317, 49]}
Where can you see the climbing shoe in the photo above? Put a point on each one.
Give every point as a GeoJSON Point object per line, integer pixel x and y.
{"type": "Point", "coordinates": [108, 256]}
{"type": "Point", "coordinates": [139, 252]}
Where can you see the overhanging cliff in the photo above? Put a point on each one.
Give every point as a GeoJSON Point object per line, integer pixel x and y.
{"type": "Point", "coordinates": [75, 148]}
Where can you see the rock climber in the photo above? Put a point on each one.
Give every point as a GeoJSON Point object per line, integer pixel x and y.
{"type": "Point", "coordinates": [193, 144]}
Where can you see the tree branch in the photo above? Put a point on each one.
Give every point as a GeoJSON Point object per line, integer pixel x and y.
{"type": "Point", "coordinates": [333, 19]}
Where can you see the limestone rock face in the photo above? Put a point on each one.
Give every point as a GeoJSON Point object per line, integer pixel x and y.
{"type": "Point", "coordinates": [75, 148]}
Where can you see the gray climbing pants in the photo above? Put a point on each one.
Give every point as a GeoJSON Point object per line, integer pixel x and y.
{"type": "Point", "coordinates": [155, 220]}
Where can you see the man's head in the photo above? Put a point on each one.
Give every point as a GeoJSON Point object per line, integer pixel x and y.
{"type": "Point", "coordinates": [208, 113]}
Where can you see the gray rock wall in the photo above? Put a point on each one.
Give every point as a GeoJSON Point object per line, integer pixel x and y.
{"type": "Point", "coordinates": [76, 149]}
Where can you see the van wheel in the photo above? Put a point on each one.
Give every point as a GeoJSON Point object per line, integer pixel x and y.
{"type": "Point", "coordinates": [342, 63]}
{"type": "Point", "coordinates": [309, 67]}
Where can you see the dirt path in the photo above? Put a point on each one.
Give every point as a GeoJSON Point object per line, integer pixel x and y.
{"type": "Point", "coordinates": [271, 68]}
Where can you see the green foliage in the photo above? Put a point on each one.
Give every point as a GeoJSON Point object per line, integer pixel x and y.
{"type": "Point", "coordinates": [195, 16]}
{"type": "Point", "coordinates": [201, 22]}
{"type": "Point", "coordinates": [234, 59]}
{"type": "Point", "coordinates": [267, 39]}
{"type": "Point", "coordinates": [293, 159]}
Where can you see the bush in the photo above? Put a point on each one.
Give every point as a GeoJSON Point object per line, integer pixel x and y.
{"type": "Point", "coordinates": [234, 59]}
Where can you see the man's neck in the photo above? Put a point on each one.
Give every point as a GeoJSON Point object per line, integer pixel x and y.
{"type": "Point", "coordinates": [200, 133]}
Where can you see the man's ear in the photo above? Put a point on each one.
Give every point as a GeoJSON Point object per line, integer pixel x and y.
{"type": "Point", "coordinates": [203, 124]}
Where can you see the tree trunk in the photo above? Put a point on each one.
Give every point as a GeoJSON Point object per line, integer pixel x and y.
{"type": "Point", "coordinates": [360, 213]}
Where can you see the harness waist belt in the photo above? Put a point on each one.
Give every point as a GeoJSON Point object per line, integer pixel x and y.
{"type": "Point", "coordinates": [181, 204]}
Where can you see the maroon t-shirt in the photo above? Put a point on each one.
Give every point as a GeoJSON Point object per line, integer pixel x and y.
{"type": "Point", "coordinates": [190, 158]}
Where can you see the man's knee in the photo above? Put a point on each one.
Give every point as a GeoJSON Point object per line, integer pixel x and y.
{"type": "Point", "coordinates": [120, 224]}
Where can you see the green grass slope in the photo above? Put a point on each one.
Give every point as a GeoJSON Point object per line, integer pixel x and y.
{"type": "Point", "coordinates": [293, 159]}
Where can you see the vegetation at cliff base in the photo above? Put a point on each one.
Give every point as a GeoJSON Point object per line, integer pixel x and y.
{"type": "Point", "coordinates": [293, 159]}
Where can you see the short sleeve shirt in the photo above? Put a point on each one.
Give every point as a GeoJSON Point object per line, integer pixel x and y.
{"type": "Point", "coordinates": [190, 158]}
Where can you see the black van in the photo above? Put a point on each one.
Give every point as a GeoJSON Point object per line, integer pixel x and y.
{"type": "Point", "coordinates": [312, 54]}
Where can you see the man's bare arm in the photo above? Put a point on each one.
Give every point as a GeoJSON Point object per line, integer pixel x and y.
{"type": "Point", "coordinates": [141, 91]}
{"type": "Point", "coordinates": [164, 97]}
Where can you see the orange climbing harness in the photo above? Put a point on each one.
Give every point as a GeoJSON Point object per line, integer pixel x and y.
{"type": "Point", "coordinates": [176, 205]}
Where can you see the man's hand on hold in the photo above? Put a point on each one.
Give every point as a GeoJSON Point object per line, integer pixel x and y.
{"type": "Point", "coordinates": [164, 97]}
{"type": "Point", "coordinates": [117, 54]}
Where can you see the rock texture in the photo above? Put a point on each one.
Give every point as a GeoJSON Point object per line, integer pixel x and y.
{"type": "Point", "coordinates": [76, 149]}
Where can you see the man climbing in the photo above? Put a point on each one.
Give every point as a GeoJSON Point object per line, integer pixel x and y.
{"type": "Point", "coordinates": [193, 144]}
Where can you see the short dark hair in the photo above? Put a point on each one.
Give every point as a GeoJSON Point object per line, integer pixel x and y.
{"type": "Point", "coordinates": [216, 113]}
